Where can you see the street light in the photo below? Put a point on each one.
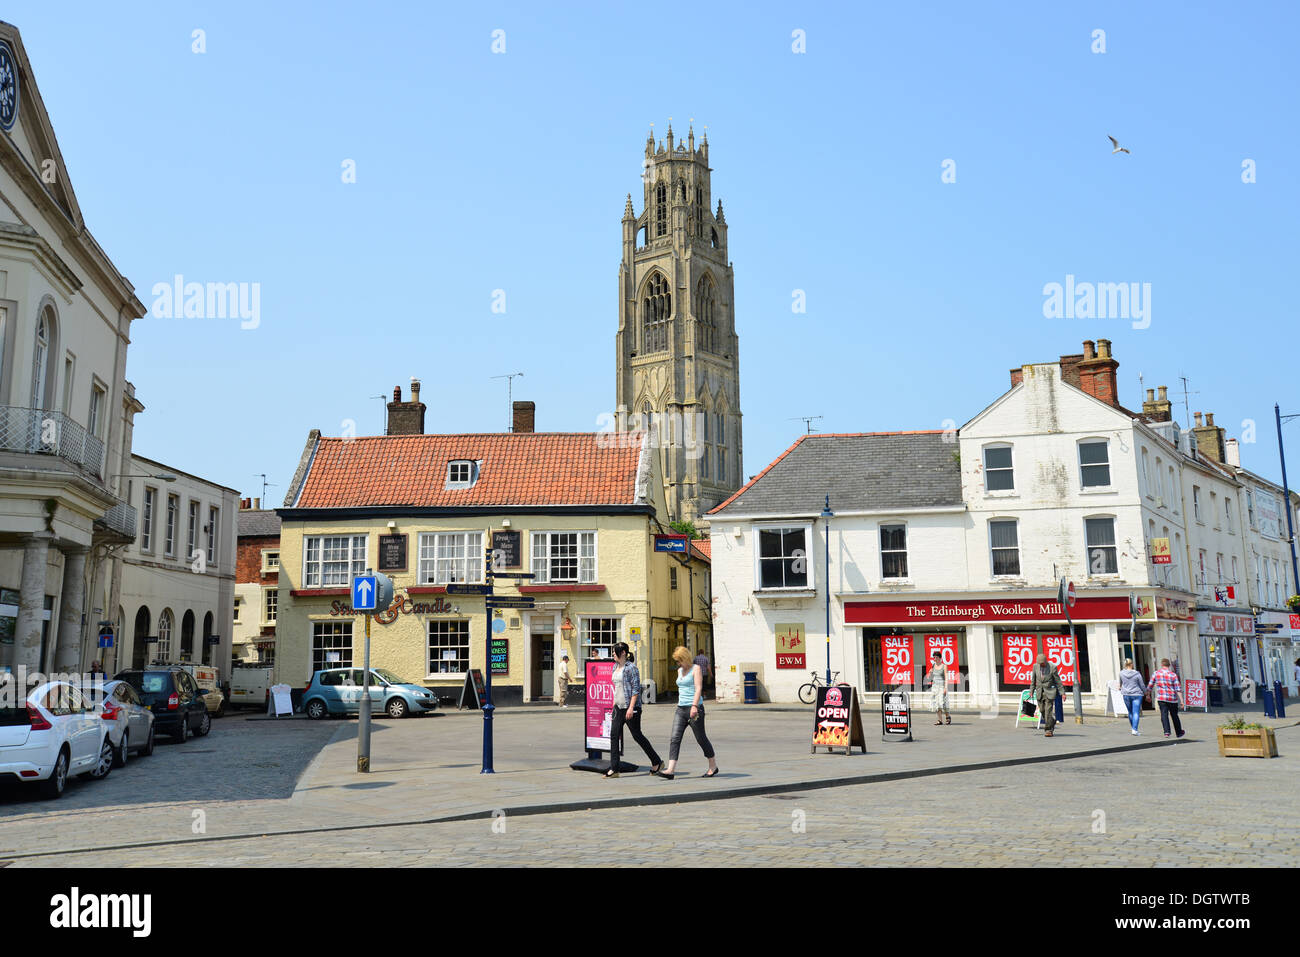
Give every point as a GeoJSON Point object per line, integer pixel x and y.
{"type": "Point", "coordinates": [1286, 495]}
{"type": "Point", "coordinates": [827, 514]}
{"type": "Point", "coordinates": [161, 476]}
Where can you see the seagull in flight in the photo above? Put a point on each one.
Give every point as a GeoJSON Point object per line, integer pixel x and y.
{"type": "Point", "coordinates": [1118, 149]}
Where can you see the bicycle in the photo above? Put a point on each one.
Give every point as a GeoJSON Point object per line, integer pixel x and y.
{"type": "Point", "coordinates": [808, 692]}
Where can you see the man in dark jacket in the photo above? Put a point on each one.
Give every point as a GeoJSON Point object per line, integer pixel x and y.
{"type": "Point", "coordinates": [1043, 688]}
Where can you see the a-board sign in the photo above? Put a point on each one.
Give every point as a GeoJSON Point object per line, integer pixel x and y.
{"type": "Point", "coordinates": [600, 703]}
{"type": "Point", "coordinates": [392, 553]}
{"type": "Point", "coordinates": [895, 716]}
{"type": "Point", "coordinates": [473, 694]}
{"type": "Point", "coordinates": [1198, 693]}
{"type": "Point", "coordinates": [281, 700]}
{"type": "Point", "coordinates": [1115, 700]}
{"type": "Point", "coordinates": [499, 655]}
{"type": "Point", "coordinates": [837, 720]}
{"type": "Point", "coordinates": [505, 550]}
{"type": "Point", "coordinates": [1021, 717]}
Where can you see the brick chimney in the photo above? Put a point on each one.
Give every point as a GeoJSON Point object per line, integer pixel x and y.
{"type": "Point", "coordinates": [1158, 410]}
{"type": "Point", "coordinates": [1095, 371]}
{"type": "Point", "coordinates": [1209, 438]}
{"type": "Point", "coordinates": [1017, 376]}
{"type": "Point", "coordinates": [524, 415]}
{"type": "Point", "coordinates": [406, 418]}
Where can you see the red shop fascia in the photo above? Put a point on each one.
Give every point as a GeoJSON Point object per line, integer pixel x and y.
{"type": "Point", "coordinates": [927, 611]}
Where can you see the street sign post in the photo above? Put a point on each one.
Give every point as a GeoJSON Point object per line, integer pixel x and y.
{"type": "Point", "coordinates": [504, 601]}
{"type": "Point", "coordinates": [460, 588]}
{"type": "Point", "coordinates": [370, 593]}
{"type": "Point", "coordinates": [1065, 595]}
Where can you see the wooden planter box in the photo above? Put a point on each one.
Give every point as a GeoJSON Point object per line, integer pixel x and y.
{"type": "Point", "coordinates": [1249, 743]}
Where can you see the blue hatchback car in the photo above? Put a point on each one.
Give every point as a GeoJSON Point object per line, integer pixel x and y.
{"type": "Point", "coordinates": [338, 691]}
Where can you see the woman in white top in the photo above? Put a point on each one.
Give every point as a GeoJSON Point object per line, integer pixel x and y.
{"type": "Point", "coordinates": [627, 710]}
{"type": "Point", "coordinates": [689, 713]}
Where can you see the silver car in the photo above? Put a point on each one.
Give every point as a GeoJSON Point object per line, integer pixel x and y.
{"type": "Point", "coordinates": [129, 722]}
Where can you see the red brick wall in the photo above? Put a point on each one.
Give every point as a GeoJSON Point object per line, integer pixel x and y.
{"type": "Point", "coordinates": [248, 560]}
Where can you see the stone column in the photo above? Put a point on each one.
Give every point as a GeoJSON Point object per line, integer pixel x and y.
{"type": "Point", "coordinates": [67, 654]}
{"type": "Point", "coordinates": [31, 604]}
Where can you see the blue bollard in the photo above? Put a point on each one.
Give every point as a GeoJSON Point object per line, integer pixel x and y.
{"type": "Point", "coordinates": [1279, 699]}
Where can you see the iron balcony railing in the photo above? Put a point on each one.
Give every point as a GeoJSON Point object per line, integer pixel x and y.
{"type": "Point", "coordinates": [44, 432]}
{"type": "Point", "coordinates": [121, 519]}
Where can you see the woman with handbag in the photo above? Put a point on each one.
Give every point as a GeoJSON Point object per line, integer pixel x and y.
{"type": "Point", "coordinates": [689, 712]}
{"type": "Point", "coordinates": [627, 710]}
{"type": "Point", "coordinates": [937, 676]}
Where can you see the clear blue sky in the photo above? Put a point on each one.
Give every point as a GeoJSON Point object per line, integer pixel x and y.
{"type": "Point", "coordinates": [478, 171]}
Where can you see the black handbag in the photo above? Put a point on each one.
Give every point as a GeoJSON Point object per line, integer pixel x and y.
{"type": "Point", "coordinates": [1028, 708]}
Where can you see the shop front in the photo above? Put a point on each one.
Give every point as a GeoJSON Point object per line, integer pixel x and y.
{"type": "Point", "coordinates": [990, 644]}
{"type": "Point", "coordinates": [1279, 647]}
{"type": "Point", "coordinates": [1231, 652]}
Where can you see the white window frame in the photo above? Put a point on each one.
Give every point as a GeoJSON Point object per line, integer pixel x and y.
{"type": "Point", "coordinates": [584, 630]}
{"type": "Point", "coordinates": [587, 557]}
{"type": "Point", "coordinates": [238, 603]}
{"type": "Point", "coordinates": [807, 529]}
{"type": "Point", "coordinates": [266, 564]}
{"type": "Point", "coordinates": [1173, 491]}
{"type": "Point", "coordinates": [1203, 586]}
{"type": "Point", "coordinates": [147, 510]}
{"type": "Point", "coordinates": [447, 557]}
{"type": "Point", "coordinates": [270, 605]}
{"type": "Point", "coordinates": [165, 634]}
{"type": "Point", "coordinates": [1227, 514]}
{"type": "Point", "coordinates": [1109, 465]}
{"type": "Point", "coordinates": [446, 623]}
{"type": "Point", "coordinates": [906, 550]}
{"type": "Point", "coordinates": [358, 549]}
{"type": "Point", "coordinates": [98, 402]}
{"type": "Point", "coordinates": [984, 460]}
{"type": "Point", "coordinates": [192, 537]}
{"type": "Point", "coordinates": [336, 629]}
{"type": "Point", "coordinates": [1015, 523]}
{"type": "Point", "coordinates": [1196, 504]}
{"type": "Point", "coordinates": [1160, 481]}
{"type": "Point", "coordinates": [470, 467]}
{"type": "Point", "coordinates": [170, 519]}
{"type": "Point", "coordinates": [1214, 509]}
{"type": "Point", "coordinates": [214, 520]}
{"type": "Point", "coordinates": [1088, 547]}
{"type": "Point", "coordinates": [1250, 507]}
{"type": "Point", "coordinates": [1146, 473]}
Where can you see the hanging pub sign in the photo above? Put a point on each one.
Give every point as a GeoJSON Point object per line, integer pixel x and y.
{"type": "Point", "coordinates": [392, 553]}
{"type": "Point", "coordinates": [1018, 654]}
{"type": "Point", "coordinates": [1160, 552]}
{"type": "Point", "coordinates": [896, 659]}
{"type": "Point", "coordinates": [791, 647]}
{"type": "Point", "coordinates": [837, 720]}
{"type": "Point", "coordinates": [499, 654]}
{"type": "Point", "coordinates": [473, 694]}
{"type": "Point", "coordinates": [1061, 652]}
{"type": "Point", "coordinates": [505, 550]}
{"type": "Point", "coordinates": [895, 716]}
{"type": "Point", "coordinates": [946, 645]}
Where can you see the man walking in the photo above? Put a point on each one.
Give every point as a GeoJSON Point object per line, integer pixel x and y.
{"type": "Point", "coordinates": [1167, 688]}
{"type": "Point", "coordinates": [562, 681]}
{"type": "Point", "coordinates": [706, 673]}
{"type": "Point", "coordinates": [1043, 688]}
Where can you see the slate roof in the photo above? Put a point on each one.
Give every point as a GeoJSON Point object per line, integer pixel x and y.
{"type": "Point", "coordinates": [258, 523]}
{"type": "Point", "coordinates": [862, 472]}
{"type": "Point", "coordinates": [516, 468]}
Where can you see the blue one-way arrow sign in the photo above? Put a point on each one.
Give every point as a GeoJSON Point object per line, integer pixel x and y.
{"type": "Point", "coordinates": [363, 593]}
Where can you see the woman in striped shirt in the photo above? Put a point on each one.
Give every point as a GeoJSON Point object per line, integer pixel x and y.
{"type": "Point", "coordinates": [627, 710]}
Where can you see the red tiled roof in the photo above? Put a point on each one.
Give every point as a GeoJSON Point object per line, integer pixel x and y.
{"type": "Point", "coordinates": [705, 547]}
{"type": "Point", "coordinates": [517, 468]}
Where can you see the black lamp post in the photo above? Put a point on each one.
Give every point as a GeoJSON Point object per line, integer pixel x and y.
{"type": "Point", "coordinates": [827, 514]}
{"type": "Point", "coordinates": [1286, 495]}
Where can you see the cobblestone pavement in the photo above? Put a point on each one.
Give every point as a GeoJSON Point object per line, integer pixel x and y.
{"type": "Point", "coordinates": [1179, 806]}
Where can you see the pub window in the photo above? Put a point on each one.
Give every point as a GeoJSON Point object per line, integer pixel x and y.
{"type": "Point", "coordinates": [599, 636]}
{"type": "Point", "coordinates": [333, 560]}
{"type": "Point", "coordinates": [448, 647]}
{"type": "Point", "coordinates": [998, 474]}
{"type": "Point", "coordinates": [1102, 555]}
{"type": "Point", "coordinates": [331, 645]}
{"type": "Point", "coordinates": [462, 473]}
{"type": "Point", "coordinates": [783, 558]}
{"type": "Point", "coordinates": [450, 557]}
{"type": "Point", "coordinates": [893, 551]}
{"type": "Point", "coordinates": [271, 606]}
{"type": "Point", "coordinates": [1005, 545]}
{"type": "Point", "coordinates": [1094, 464]}
{"type": "Point", "coordinates": [564, 557]}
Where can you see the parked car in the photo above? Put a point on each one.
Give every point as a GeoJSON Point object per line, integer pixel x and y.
{"type": "Point", "coordinates": [176, 701]}
{"type": "Point", "coordinates": [251, 687]}
{"type": "Point", "coordinates": [52, 733]}
{"type": "Point", "coordinates": [338, 691]}
{"type": "Point", "coordinates": [130, 722]}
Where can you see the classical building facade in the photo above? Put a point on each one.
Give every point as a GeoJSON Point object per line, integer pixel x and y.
{"type": "Point", "coordinates": [66, 409]}
{"type": "Point", "coordinates": [678, 352]}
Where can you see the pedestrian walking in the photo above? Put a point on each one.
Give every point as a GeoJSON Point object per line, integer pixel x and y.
{"type": "Point", "coordinates": [1167, 689]}
{"type": "Point", "coordinates": [706, 670]}
{"type": "Point", "coordinates": [689, 712]}
{"type": "Point", "coordinates": [1134, 689]}
{"type": "Point", "coordinates": [627, 711]}
{"type": "Point", "coordinates": [562, 682]}
{"type": "Point", "coordinates": [1043, 688]}
{"type": "Point", "coordinates": [938, 676]}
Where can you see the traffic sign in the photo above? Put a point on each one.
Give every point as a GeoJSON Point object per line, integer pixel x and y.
{"type": "Point", "coordinates": [460, 588]}
{"type": "Point", "coordinates": [364, 592]}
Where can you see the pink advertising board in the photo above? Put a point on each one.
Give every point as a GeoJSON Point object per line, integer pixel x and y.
{"type": "Point", "coordinates": [600, 703]}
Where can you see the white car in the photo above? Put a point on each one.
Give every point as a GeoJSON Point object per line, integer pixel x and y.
{"type": "Point", "coordinates": [55, 732]}
{"type": "Point", "coordinates": [129, 722]}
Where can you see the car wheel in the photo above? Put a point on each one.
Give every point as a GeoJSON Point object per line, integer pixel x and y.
{"type": "Point", "coordinates": [105, 763]}
{"type": "Point", "coordinates": [52, 787]}
{"type": "Point", "coordinates": [205, 725]}
{"type": "Point", "coordinates": [397, 708]}
{"type": "Point", "coordinates": [148, 745]}
{"type": "Point", "coordinates": [123, 751]}
{"type": "Point", "coordinates": [221, 709]}
{"type": "Point", "coordinates": [184, 734]}
{"type": "Point", "coordinates": [316, 709]}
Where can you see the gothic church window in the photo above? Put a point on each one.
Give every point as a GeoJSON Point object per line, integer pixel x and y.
{"type": "Point", "coordinates": [661, 210]}
{"type": "Point", "coordinates": [656, 307]}
{"type": "Point", "coordinates": [705, 309]}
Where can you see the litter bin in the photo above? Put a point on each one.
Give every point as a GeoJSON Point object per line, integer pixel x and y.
{"type": "Point", "coordinates": [1279, 697]}
{"type": "Point", "coordinates": [1266, 695]}
{"type": "Point", "coordinates": [1215, 687]}
{"type": "Point", "coordinates": [751, 687]}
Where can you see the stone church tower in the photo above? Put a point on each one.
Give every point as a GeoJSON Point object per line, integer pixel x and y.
{"type": "Point", "coordinates": [678, 361]}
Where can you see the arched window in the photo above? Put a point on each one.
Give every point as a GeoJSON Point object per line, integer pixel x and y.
{"type": "Point", "coordinates": [715, 238]}
{"type": "Point", "coordinates": [207, 633]}
{"type": "Point", "coordinates": [699, 211]}
{"type": "Point", "coordinates": [139, 650]}
{"type": "Point", "coordinates": [656, 307]}
{"type": "Point", "coordinates": [661, 210]}
{"type": "Point", "coordinates": [187, 636]}
{"type": "Point", "coordinates": [165, 621]}
{"type": "Point", "coordinates": [41, 359]}
{"type": "Point", "coordinates": [705, 307]}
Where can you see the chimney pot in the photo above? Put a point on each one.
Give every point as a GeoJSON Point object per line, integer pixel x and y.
{"type": "Point", "coordinates": [1209, 418]}
{"type": "Point", "coordinates": [1151, 395]}
{"type": "Point", "coordinates": [257, 503]}
{"type": "Point", "coordinates": [1089, 349]}
{"type": "Point", "coordinates": [1103, 348]}
{"type": "Point", "coordinates": [1164, 393]}
{"type": "Point", "coordinates": [1197, 417]}
{"type": "Point", "coordinates": [397, 393]}
{"type": "Point", "coordinates": [415, 389]}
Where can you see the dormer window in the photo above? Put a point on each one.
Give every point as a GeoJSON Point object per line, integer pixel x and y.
{"type": "Point", "coordinates": [461, 473]}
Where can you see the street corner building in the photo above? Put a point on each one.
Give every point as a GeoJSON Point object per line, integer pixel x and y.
{"type": "Point", "coordinates": [577, 512]}
{"type": "Point", "coordinates": [867, 553]}
{"type": "Point", "coordinates": [66, 409]}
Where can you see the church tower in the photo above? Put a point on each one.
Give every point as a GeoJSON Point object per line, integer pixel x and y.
{"type": "Point", "coordinates": [678, 361]}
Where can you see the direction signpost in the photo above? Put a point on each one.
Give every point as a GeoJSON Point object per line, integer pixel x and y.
{"type": "Point", "coordinates": [370, 593]}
